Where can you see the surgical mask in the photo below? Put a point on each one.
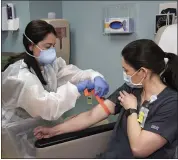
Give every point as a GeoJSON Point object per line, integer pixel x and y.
{"type": "Point", "coordinates": [46, 56]}
{"type": "Point", "coordinates": [128, 81]}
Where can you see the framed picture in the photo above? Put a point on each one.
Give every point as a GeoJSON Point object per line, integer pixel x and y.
{"type": "Point", "coordinates": [163, 20]}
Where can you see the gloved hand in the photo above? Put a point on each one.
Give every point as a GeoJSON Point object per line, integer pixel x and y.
{"type": "Point", "coordinates": [101, 86]}
{"type": "Point", "coordinates": [85, 84]}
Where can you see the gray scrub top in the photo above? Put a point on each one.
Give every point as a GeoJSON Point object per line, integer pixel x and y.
{"type": "Point", "coordinates": [162, 119]}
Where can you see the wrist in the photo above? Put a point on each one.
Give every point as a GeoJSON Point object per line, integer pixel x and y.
{"type": "Point", "coordinates": [131, 111]}
{"type": "Point", "coordinates": [56, 130]}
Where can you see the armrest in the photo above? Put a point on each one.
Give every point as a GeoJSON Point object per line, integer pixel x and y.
{"type": "Point", "coordinates": [73, 135]}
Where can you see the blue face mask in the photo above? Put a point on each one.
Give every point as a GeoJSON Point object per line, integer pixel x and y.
{"type": "Point", "coordinates": [46, 56]}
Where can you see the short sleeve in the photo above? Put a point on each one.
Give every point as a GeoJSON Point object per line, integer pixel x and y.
{"type": "Point", "coordinates": [165, 121]}
{"type": "Point", "coordinates": [114, 97]}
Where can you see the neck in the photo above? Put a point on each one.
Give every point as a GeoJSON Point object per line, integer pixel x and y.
{"type": "Point", "coordinates": [153, 86]}
{"type": "Point", "coordinates": [40, 66]}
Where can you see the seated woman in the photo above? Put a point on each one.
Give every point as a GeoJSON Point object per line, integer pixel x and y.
{"type": "Point", "coordinates": [151, 86]}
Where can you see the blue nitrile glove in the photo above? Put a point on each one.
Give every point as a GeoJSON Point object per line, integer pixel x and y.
{"type": "Point", "coordinates": [90, 85]}
{"type": "Point", "coordinates": [81, 86]}
{"type": "Point", "coordinates": [101, 86]}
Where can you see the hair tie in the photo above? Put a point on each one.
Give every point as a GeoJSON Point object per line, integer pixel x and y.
{"type": "Point", "coordinates": [165, 55]}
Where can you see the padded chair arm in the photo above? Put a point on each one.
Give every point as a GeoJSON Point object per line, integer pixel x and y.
{"type": "Point", "coordinates": [74, 135]}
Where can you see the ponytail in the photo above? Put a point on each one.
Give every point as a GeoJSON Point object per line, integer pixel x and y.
{"type": "Point", "coordinates": [170, 75]}
{"type": "Point", "coordinates": [32, 63]}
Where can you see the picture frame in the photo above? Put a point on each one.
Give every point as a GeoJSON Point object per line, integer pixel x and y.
{"type": "Point", "coordinates": [163, 20]}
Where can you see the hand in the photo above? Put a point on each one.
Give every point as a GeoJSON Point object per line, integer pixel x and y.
{"type": "Point", "coordinates": [101, 86]}
{"type": "Point", "coordinates": [85, 84]}
{"type": "Point", "coordinates": [127, 100]}
{"type": "Point", "coordinates": [43, 132]}
{"type": "Point", "coordinates": [90, 85]}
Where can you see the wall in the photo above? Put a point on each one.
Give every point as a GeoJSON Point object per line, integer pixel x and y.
{"type": "Point", "coordinates": [12, 42]}
{"type": "Point", "coordinates": [27, 11]}
{"type": "Point", "coordinates": [91, 49]}
{"type": "Point", "coordinates": [40, 9]}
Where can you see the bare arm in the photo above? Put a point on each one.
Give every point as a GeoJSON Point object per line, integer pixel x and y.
{"type": "Point", "coordinates": [140, 139]}
{"type": "Point", "coordinates": [80, 122]}
{"type": "Point", "coordinates": [157, 130]}
{"type": "Point", "coordinates": [85, 120]}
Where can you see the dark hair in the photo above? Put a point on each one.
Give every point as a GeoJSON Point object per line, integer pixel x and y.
{"type": "Point", "coordinates": [36, 31]}
{"type": "Point", "coordinates": [146, 53]}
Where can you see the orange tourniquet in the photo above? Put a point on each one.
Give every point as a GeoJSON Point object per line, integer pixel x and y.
{"type": "Point", "coordinates": [100, 100]}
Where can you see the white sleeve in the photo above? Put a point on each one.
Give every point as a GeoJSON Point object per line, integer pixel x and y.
{"type": "Point", "coordinates": [72, 73]}
{"type": "Point", "coordinates": [48, 105]}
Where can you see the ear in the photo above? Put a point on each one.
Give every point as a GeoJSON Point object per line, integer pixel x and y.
{"type": "Point", "coordinates": [144, 70]}
{"type": "Point", "coordinates": [31, 46]}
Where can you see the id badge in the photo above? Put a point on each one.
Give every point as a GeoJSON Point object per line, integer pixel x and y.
{"type": "Point", "coordinates": [89, 100]}
{"type": "Point", "coordinates": [143, 114]}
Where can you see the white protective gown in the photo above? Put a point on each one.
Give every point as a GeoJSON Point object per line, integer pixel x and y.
{"type": "Point", "coordinates": [22, 88]}
{"type": "Point", "coordinates": [24, 99]}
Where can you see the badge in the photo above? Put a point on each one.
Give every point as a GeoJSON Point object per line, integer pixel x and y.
{"type": "Point", "coordinates": [143, 114]}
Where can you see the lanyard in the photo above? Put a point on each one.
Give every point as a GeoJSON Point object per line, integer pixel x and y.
{"type": "Point", "coordinates": [100, 100]}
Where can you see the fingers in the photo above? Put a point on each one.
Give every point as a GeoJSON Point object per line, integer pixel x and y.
{"type": "Point", "coordinates": [121, 94]}
{"type": "Point", "coordinates": [41, 132]}
{"type": "Point", "coordinates": [90, 85]}
{"type": "Point", "coordinates": [98, 91]}
{"type": "Point", "coordinates": [101, 92]}
{"type": "Point", "coordinates": [37, 130]}
{"type": "Point", "coordinates": [120, 99]}
{"type": "Point", "coordinates": [39, 136]}
{"type": "Point", "coordinates": [125, 93]}
{"type": "Point", "coordinates": [106, 90]}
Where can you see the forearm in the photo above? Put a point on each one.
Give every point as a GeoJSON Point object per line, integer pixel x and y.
{"type": "Point", "coordinates": [133, 131]}
{"type": "Point", "coordinates": [82, 121]}
{"type": "Point", "coordinates": [77, 123]}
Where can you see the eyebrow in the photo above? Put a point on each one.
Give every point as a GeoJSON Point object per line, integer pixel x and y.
{"type": "Point", "coordinates": [124, 68]}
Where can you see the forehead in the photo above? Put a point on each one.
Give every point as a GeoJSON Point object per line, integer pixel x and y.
{"type": "Point", "coordinates": [125, 65]}
{"type": "Point", "coordinates": [50, 38]}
